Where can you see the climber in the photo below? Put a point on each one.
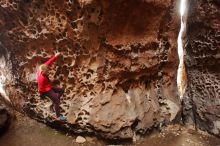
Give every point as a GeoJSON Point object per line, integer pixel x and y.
{"type": "Point", "coordinates": [45, 89]}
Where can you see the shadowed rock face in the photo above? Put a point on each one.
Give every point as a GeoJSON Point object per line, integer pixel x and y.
{"type": "Point", "coordinates": [118, 64]}
{"type": "Point", "coordinates": [5, 119]}
{"type": "Point", "coordinates": [202, 62]}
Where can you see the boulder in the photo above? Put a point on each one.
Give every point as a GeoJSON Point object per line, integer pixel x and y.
{"type": "Point", "coordinates": [118, 62]}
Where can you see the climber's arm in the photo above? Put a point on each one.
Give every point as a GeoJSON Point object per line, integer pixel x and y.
{"type": "Point", "coordinates": [51, 60]}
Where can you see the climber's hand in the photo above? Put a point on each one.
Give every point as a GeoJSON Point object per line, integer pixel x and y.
{"type": "Point", "coordinates": [57, 54]}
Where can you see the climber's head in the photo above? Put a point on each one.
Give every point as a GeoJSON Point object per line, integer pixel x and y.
{"type": "Point", "coordinates": [43, 68]}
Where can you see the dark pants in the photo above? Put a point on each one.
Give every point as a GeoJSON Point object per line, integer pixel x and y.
{"type": "Point", "coordinates": [54, 94]}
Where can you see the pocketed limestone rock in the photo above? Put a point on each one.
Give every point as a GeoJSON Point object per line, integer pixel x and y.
{"type": "Point", "coordinates": [202, 62]}
{"type": "Point", "coordinates": [118, 62]}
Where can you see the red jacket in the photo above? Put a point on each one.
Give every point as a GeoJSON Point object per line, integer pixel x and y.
{"type": "Point", "coordinates": [43, 80]}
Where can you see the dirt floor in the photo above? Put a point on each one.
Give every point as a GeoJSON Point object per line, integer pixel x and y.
{"type": "Point", "coordinates": [28, 132]}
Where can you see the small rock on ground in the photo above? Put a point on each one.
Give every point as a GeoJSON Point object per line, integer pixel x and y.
{"type": "Point", "coordinates": [80, 139]}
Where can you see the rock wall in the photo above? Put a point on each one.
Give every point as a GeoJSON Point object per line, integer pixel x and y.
{"type": "Point", "coordinates": [5, 119]}
{"type": "Point", "coordinates": [202, 98]}
{"type": "Point", "coordinates": [6, 116]}
{"type": "Point", "coordinates": [118, 64]}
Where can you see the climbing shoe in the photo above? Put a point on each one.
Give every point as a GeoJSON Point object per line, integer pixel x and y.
{"type": "Point", "coordinates": [62, 118]}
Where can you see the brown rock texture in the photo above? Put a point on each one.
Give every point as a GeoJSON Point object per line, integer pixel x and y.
{"type": "Point", "coordinates": [202, 98]}
{"type": "Point", "coordinates": [5, 118]}
{"type": "Point", "coordinates": [118, 64]}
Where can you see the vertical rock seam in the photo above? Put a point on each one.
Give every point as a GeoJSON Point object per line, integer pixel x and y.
{"type": "Point", "coordinates": [181, 73]}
